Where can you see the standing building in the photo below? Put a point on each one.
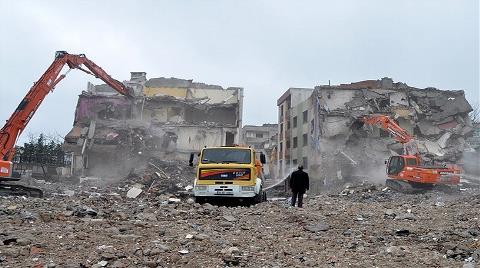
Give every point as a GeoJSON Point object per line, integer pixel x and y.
{"type": "Point", "coordinates": [292, 125]}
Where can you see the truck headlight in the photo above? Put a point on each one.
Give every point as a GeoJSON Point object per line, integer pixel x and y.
{"type": "Point", "coordinates": [201, 187]}
{"type": "Point", "coordinates": [248, 188]}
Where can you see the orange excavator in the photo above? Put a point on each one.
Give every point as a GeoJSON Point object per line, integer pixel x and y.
{"type": "Point", "coordinates": [405, 172]}
{"type": "Point", "coordinates": [29, 105]}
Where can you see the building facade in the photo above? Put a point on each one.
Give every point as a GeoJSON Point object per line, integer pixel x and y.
{"type": "Point", "coordinates": [293, 118]}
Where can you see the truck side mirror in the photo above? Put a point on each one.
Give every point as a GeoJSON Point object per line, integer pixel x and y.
{"type": "Point", "coordinates": [263, 160]}
{"type": "Point", "coordinates": [190, 161]}
{"type": "Point", "coordinates": [386, 161]}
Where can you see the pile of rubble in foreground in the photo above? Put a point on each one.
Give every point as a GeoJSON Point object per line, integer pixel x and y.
{"type": "Point", "coordinates": [361, 226]}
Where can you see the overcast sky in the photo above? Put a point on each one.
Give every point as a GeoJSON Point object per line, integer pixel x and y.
{"type": "Point", "coordinates": [263, 46]}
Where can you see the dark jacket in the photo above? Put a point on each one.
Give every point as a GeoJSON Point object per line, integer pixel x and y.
{"type": "Point", "coordinates": [299, 181]}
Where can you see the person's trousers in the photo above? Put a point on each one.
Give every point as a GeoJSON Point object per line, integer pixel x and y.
{"type": "Point", "coordinates": [298, 195]}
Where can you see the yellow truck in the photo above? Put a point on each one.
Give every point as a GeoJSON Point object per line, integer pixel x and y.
{"type": "Point", "coordinates": [229, 172]}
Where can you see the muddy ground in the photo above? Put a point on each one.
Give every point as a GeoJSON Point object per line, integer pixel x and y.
{"type": "Point", "coordinates": [361, 226]}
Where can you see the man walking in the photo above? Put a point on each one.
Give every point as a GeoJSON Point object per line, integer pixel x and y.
{"type": "Point", "coordinates": [299, 183]}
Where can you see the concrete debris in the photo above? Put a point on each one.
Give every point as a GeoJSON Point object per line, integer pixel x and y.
{"type": "Point", "coordinates": [148, 231]}
{"type": "Point", "coordinates": [183, 251]}
{"type": "Point", "coordinates": [134, 192]}
{"type": "Point", "coordinates": [317, 227]}
{"type": "Point", "coordinates": [69, 193]}
{"type": "Point", "coordinates": [229, 218]}
{"type": "Point", "coordinates": [174, 200]}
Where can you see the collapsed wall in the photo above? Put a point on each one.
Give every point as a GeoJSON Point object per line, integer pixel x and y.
{"type": "Point", "coordinates": [169, 118]}
{"type": "Point", "coordinates": [344, 148]}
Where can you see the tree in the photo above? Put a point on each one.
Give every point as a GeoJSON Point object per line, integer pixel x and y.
{"type": "Point", "coordinates": [42, 150]}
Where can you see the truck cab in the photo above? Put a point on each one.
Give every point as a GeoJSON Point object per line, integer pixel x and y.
{"type": "Point", "coordinates": [229, 172]}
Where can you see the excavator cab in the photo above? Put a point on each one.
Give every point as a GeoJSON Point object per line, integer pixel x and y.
{"type": "Point", "coordinates": [397, 163]}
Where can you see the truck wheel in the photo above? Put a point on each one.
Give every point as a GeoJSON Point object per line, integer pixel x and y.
{"type": "Point", "coordinates": [258, 197]}
{"type": "Point", "coordinates": [200, 200]}
{"type": "Point", "coordinates": [264, 197]}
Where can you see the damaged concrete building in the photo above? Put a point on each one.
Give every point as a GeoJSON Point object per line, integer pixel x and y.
{"type": "Point", "coordinates": [264, 139]}
{"type": "Point", "coordinates": [260, 137]}
{"type": "Point", "coordinates": [335, 146]}
{"type": "Point", "coordinates": [168, 118]}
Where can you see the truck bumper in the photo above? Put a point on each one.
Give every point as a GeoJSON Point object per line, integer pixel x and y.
{"type": "Point", "coordinates": [234, 191]}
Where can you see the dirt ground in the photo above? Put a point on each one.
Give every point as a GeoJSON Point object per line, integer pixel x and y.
{"type": "Point", "coordinates": [360, 226]}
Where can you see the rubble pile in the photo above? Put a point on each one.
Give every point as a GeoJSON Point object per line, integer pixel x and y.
{"type": "Point", "coordinates": [438, 119]}
{"type": "Point", "coordinates": [361, 225]}
{"type": "Point", "coordinates": [162, 176]}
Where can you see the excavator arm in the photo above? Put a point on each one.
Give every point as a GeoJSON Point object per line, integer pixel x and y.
{"type": "Point", "coordinates": [37, 93]}
{"type": "Point", "coordinates": [399, 134]}
{"type": "Point", "coordinates": [386, 123]}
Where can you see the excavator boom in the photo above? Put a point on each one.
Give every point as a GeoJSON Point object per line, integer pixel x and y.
{"type": "Point", "coordinates": [386, 123]}
{"type": "Point", "coordinates": [37, 93]}
{"type": "Point", "coordinates": [399, 134]}
{"type": "Point", "coordinates": [30, 103]}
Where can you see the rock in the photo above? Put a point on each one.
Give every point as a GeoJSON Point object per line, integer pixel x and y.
{"type": "Point", "coordinates": [159, 249]}
{"type": "Point", "coordinates": [200, 237]}
{"type": "Point", "coordinates": [390, 212]}
{"type": "Point", "coordinates": [317, 227]}
{"type": "Point", "coordinates": [23, 241]}
{"type": "Point", "coordinates": [173, 200]}
{"type": "Point", "coordinates": [67, 213]}
{"type": "Point", "coordinates": [118, 264]}
{"type": "Point", "coordinates": [183, 251]}
{"type": "Point", "coordinates": [151, 217]}
{"type": "Point", "coordinates": [398, 251]}
{"type": "Point", "coordinates": [11, 252]}
{"type": "Point", "coordinates": [405, 216]}
{"type": "Point", "coordinates": [476, 255]}
{"type": "Point", "coordinates": [69, 193]}
{"type": "Point", "coordinates": [134, 192]}
{"type": "Point", "coordinates": [84, 211]}
{"type": "Point", "coordinates": [230, 218]}
{"type": "Point", "coordinates": [100, 264]}
{"type": "Point", "coordinates": [29, 216]}
{"type": "Point", "coordinates": [468, 265]}
{"type": "Point", "coordinates": [50, 265]}
{"type": "Point", "coordinates": [230, 251]}
{"type": "Point", "coordinates": [226, 224]}
{"type": "Point", "coordinates": [107, 256]}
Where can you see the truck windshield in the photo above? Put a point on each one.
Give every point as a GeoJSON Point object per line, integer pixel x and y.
{"type": "Point", "coordinates": [226, 155]}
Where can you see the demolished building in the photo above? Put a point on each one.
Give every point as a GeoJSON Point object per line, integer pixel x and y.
{"type": "Point", "coordinates": [168, 118]}
{"type": "Point", "coordinates": [335, 146]}
{"type": "Point", "coordinates": [260, 137]}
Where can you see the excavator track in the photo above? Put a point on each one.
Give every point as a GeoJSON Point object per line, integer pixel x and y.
{"type": "Point", "coordinates": [408, 187]}
{"type": "Point", "coordinates": [19, 190]}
